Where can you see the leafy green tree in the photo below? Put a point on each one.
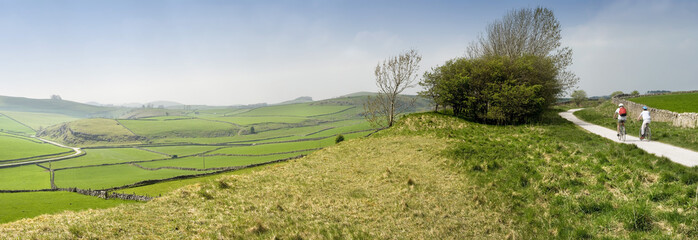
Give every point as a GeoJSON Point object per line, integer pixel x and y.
{"type": "Point", "coordinates": [528, 32]}
{"type": "Point", "coordinates": [497, 89]}
{"type": "Point", "coordinates": [428, 82]}
{"type": "Point", "coordinates": [579, 96]}
{"type": "Point", "coordinates": [635, 93]}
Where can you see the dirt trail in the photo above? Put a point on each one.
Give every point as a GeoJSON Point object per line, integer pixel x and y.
{"type": "Point", "coordinates": [676, 154]}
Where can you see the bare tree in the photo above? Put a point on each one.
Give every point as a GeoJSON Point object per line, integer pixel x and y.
{"type": "Point", "coordinates": [528, 31]}
{"type": "Point", "coordinates": [393, 76]}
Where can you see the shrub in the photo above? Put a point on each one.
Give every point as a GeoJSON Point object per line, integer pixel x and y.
{"type": "Point", "coordinates": [339, 138]}
{"type": "Point", "coordinates": [495, 89]}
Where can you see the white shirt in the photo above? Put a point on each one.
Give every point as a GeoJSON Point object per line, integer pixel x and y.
{"type": "Point", "coordinates": [619, 116]}
{"type": "Point", "coordinates": [645, 115]}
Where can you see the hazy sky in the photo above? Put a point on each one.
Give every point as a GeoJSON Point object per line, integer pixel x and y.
{"type": "Point", "coordinates": [242, 52]}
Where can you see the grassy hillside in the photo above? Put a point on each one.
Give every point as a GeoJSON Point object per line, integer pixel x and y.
{"type": "Point", "coordinates": [431, 177]}
{"type": "Point", "coordinates": [10, 125]}
{"type": "Point", "coordinates": [661, 131]}
{"type": "Point", "coordinates": [74, 109]}
{"type": "Point", "coordinates": [39, 120]}
{"type": "Point", "coordinates": [681, 102]}
{"type": "Point", "coordinates": [93, 131]}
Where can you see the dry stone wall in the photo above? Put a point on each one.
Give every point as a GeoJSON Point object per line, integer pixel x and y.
{"type": "Point", "coordinates": [688, 120]}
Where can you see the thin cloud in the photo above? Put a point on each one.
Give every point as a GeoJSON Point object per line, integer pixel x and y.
{"type": "Point", "coordinates": [637, 45]}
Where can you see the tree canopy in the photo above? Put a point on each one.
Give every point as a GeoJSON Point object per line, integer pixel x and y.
{"type": "Point", "coordinates": [528, 32]}
{"type": "Point", "coordinates": [496, 89]}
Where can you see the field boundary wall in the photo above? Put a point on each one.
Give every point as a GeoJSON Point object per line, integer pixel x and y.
{"type": "Point", "coordinates": [687, 120]}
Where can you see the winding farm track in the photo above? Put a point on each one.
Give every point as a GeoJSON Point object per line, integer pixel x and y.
{"type": "Point", "coordinates": [675, 154]}
{"type": "Point", "coordinates": [78, 151]}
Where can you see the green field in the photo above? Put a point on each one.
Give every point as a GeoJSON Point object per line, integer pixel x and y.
{"type": "Point", "coordinates": [14, 147]}
{"type": "Point", "coordinates": [111, 176]}
{"type": "Point", "coordinates": [256, 120]}
{"type": "Point", "coordinates": [106, 156]}
{"type": "Point", "coordinates": [680, 103]}
{"type": "Point", "coordinates": [218, 161]}
{"type": "Point", "coordinates": [183, 150]}
{"type": "Point", "coordinates": [27, 205]}
{"type": "Point", "coordinates": [179, 128]}
{"type": "Point", "coordinates": [27, 177]}
{"type": "Point", "coordinates": [300, 110]}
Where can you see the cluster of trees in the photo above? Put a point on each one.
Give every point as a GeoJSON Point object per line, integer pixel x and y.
{"type": "Point", "coordinates": [511, 74]}
{"type": "Point", "coordinates": [494, 89]}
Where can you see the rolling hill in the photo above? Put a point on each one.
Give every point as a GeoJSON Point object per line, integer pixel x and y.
{"type": "Point", "coordinates": [70, 108]}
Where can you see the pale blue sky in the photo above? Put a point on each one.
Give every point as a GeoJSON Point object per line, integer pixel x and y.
{"type": "Point", "coordinates": [242, 52]}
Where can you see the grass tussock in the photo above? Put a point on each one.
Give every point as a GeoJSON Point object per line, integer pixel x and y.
{"type": "Point", "coordinates": [429, 177]}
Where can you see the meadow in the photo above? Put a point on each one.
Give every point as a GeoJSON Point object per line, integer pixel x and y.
{"type": "Point", "coordinates": [678, 102]}
{"type": "Point", "coordinates": [27, 177]}
{"type": "Point", "coordinates": [431, 176]}
{"type": "Point", "coordinates": [661, 131]}
{"type": "Point", "coordinates": [120, 152]}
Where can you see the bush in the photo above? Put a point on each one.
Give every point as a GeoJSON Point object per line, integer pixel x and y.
{"type": "Point", "coordinates": [339, 138]}
{"type": "Point", "coordinates": [495, 89]}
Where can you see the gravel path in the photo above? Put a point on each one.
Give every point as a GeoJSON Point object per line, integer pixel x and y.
{"type": "Point", "coordinates": [676, 154]}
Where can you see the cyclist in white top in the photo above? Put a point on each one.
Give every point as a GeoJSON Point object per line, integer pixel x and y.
{"type": "Point", "coordinates": [621, 117]}
{"type": "Point", "coordinates": [645, 116]}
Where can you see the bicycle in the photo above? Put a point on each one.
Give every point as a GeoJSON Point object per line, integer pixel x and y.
{"type": "Point", "coordinates": [621, 133]}
{"type": "Point", "coordinates": [648, 132]}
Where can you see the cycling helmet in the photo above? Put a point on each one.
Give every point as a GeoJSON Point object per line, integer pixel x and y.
{"type": "Point", "coordinates": [645, 107]}
{"type": "Point", "coordinates": [620, 105]}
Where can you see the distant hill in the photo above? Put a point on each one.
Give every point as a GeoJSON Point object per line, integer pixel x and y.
{"type": "Point", "coordinates": [360, 94]}
{"type": "Point", "coordinates": [303, 99]}
{"type": "Point", "coordinates": [75, 109]}
{"type": "Point", "coordinates": [155, 104]}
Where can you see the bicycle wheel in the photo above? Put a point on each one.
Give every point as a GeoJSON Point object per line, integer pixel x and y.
{"type": "Point", "coordinates": [648, 133]}
{"type": "Point", "coordinates": [622, 133]}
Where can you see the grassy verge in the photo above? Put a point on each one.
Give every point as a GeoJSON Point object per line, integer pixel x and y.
{"type": "Point", "coordinates": [429, 177]}
{"type": "Point", "coordinates": [661, 131]}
